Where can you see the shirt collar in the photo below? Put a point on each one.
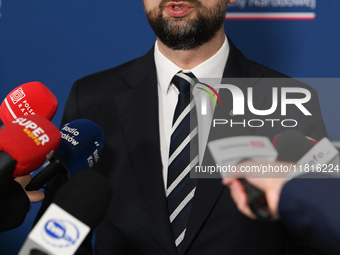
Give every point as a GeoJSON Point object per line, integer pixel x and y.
{"type": "Point", "coordinates": [211, 68]}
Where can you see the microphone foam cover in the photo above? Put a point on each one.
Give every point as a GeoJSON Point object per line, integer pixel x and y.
{"type": "Point", "coordinates": [81, 145]}
{"type": "Point", "coordinates": [86, 197]}
{"type": "Point", "coordinates": [30, 141]}
{"type": "Point", "coordinates": [29, 98]}
{"type": "Point", "coordinates": [291, 145]}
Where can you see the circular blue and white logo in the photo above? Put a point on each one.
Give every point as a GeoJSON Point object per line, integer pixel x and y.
{"type": "Point", "coordinates": [60, 233]}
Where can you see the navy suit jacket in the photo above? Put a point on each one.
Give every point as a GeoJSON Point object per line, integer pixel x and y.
{"type": "Point", "coordinates": [311, 208]}
{"type": "Point", "coordinates": [123, 101]}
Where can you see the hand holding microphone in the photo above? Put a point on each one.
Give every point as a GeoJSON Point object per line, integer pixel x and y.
{"type": "Point", "coordinates": [234, 150]}
{"type": "Point", "coordinates": [34, 196]}
{"type": "Point", "coordinates": [270, 187]}
{"type": "Point", "coordinates": [25, 144]}
{"type": "Point", "coordinates": [293, 147]}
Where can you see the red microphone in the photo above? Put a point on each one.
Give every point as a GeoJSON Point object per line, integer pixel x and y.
{"type": "Point", "coordinates": [29, 98]}
{"type": "Point", "coordinates": [313, 141]}
{"type": "Point", "coordinates": [26, 143]}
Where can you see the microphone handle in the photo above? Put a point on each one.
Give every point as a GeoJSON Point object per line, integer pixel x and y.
{"type": "Point", "coordinates": [256, 201]}
{"type": "Point", "coordinates": [46, 174]}
{"type": "Point", "coordinates": [7, 164]}
{"type": "Point", "coordinates": [37, 252]}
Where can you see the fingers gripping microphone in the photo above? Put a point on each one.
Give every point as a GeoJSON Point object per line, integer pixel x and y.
{"type": "Point", "coordinates": [29, 98]}
{"type": "Point", "coordinates": [239, 146]}
{"type": "Point", "coordinates": [291, 145]}
{"type": "Point", "coordinates": [81, 145]}
{"type": "Point", "coordinates": [25, 144]}
{"type": "Point", "coordinates": [78, 207]}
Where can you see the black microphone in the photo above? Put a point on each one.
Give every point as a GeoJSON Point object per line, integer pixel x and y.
{"type": "Point", "coordinates": [37, 252]}
{"type": "Point", "coordinates": [78, 207]}
{"type": "Point", "coordinates": [256, 200]}
{"type": "Point", "coordinates": [292, 145]}
{"type": "Point", "coordinates": [14, 204]}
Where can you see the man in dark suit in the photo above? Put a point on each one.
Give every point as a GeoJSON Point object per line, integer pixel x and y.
{"type": "Point", "coordinates": [306, 205]}
{"type": "Point", "coordinates": [134, 104]}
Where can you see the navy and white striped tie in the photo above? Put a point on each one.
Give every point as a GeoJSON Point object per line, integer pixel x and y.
{"type": "Point", "coordinates": [183, 156]}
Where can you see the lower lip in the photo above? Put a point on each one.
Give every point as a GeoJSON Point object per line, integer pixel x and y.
{"type": "Point", "coordinates": [178, 12]}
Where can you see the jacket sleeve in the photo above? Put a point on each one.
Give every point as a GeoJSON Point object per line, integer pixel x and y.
{"type": "Point", "coordinates": [310, 208]}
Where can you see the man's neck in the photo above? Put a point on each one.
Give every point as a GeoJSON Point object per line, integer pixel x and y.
{"type": "Point", "coordinates": [188, 59]}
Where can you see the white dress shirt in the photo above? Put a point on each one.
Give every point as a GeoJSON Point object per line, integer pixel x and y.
{"type": "Point", "coordinates": [168, 97]}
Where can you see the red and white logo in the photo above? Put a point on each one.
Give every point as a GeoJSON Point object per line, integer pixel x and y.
{"type": "Point", "coordinates": [259, 144]}
{"type": "Point", "coordinates": [17, 95]}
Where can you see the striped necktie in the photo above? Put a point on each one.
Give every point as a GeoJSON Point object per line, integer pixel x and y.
{"type": "Point", "coordinates": [183, 156]}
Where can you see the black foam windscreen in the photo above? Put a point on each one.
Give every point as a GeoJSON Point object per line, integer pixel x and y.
{"type": "Point", "coordinates": [14, 204]}
{"type": "Point", "coordinates": [86, 196]}
{"type": "Point", "coordinates": [291, 145]}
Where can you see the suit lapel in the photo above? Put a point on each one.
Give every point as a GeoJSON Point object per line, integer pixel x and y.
{"type": "Point", "coordinates": [208, 190]}
{"type": "Point", "coordinates": [138, 114]}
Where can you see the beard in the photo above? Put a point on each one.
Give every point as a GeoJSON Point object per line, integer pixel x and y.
{"type": "Point", "coordinates": [187, 33]}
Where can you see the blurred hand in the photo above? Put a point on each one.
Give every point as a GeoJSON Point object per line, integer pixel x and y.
{"type": "Point", "coordinates": [271, 187]}
{"type": "Point", "coordinates": [34, 196]}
